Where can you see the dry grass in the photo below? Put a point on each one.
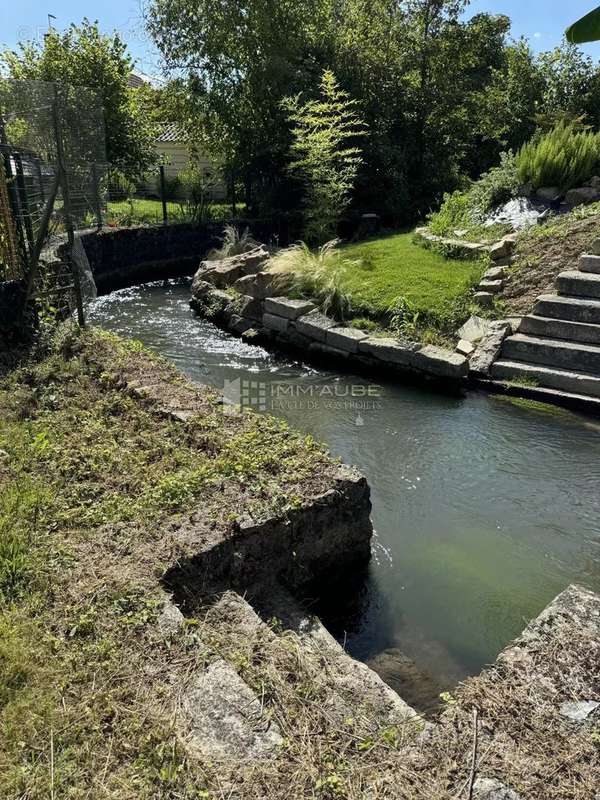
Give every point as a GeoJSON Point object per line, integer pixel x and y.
{"type": "Point", "coordinates": [90, 689]}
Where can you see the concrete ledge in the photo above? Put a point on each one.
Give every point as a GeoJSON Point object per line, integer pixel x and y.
{"type": "Point", "coordinates": [441, 363]}
{"type": "Point", "coordinates": [345, 338]}
{"type": "Point", "coordinates": [389, 350]}
{"type": "Point", "coordinates": [290, 309]}
{"type": "Point", "coordinates": [315, 325]}
{"type": "Point", "coordinates": [274, 323]}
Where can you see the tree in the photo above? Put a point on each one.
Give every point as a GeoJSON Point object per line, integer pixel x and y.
{"type": "Point", "coordinates": [324, 154]}
{"type": "Point", "coordinates": [82, 56]}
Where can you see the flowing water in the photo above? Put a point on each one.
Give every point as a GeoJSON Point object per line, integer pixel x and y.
{"type": "Point", "coordinates": [484, 510]}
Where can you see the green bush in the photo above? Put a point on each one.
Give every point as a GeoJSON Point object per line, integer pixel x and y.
{"type": "Point", "coordinates": [495, 187]}
{"type": "Point", "coordinates": [468, 209]}
{"type": "Point", "coordinates": [564, 157]}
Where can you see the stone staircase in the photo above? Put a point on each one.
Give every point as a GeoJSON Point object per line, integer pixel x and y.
{"type": "Point", "coordinates": [557, 347]}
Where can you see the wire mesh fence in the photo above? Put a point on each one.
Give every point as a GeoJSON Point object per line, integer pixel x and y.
{"type": "Point", "coordinates": [54, 181]}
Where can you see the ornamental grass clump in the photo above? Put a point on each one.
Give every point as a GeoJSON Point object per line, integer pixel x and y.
{"type": "Point", "coordinates": [564, 157]}
{"type": "Point", "coordinates": [318, 274]}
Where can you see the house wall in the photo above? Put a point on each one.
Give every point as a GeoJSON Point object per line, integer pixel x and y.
{"type": "Point", "coordinates": [175, 156]}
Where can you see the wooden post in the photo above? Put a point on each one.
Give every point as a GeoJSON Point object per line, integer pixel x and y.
{"type": "Point", "coordinates": [12, 191]}
{"type": "Point", "coordinates": [163, 193]}
{"type": "Point", "coordinates": [64, 182]}
{"type": "Point", "coordinates": [38, 167]}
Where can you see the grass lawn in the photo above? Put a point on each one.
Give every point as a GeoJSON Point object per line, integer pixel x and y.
{"type": "Point", "coordinates": [396, 267]}
{"type": "Point", "coordinates": [143, 210]}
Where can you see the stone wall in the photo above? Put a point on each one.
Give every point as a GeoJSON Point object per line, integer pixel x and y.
{"type": "Point", "coordinates": [240, 295]}
{"type": "Point", "coordinates": [121, 257]}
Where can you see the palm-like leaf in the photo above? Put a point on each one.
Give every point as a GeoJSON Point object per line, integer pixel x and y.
{"type": "Point", "coordinates": [587, 29]}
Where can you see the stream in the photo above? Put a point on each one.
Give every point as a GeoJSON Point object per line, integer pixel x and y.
{"type": "Point", "coordinates": [484, 509]}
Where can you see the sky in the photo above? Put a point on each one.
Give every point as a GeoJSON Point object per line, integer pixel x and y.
{"type": "Point", "coordinates": [542, 22]}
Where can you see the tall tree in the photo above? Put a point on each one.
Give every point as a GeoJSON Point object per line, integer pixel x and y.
{"type": "Point", "coordinates": [82, 56]}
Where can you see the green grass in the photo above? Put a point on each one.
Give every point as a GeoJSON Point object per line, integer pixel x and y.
{"type": "Point", "coordinates": [148, 211]}
{"type": "Point", "coordinates": [394, 266]}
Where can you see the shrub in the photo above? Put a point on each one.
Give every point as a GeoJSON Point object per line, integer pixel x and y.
{"type": "Point", "coordinates": [317, 274]}
{"type": "Point", "coordinates": [564, 157]}
{"type": "Point", "coordinates": [325, 155]}
{"type": "Point", "coordinates": [233, 243]}
{"type": "Point", "coordinates": [469, 209]}
{"type": "Point", "coordinates": [495, 187]}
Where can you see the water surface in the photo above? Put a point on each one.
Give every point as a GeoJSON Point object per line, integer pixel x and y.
{"type": "Point", "coordinates": [483, 510]}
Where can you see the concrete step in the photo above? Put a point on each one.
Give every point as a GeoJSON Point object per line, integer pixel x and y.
{"type": "Point", "coordinates": [359, 688]}
{"type": "Point", "coordinates": [578, 284]}
{"type": "Point", "coordinates": [576, 309]}
{"type": "Point", "coordinates": [576, 383]}
{"type": "Point", "coordinates": [574, 356]}
{"type": "Point", "coordinates": [589, 263]}
{"type": "Point", "coordinates": [560, 329]}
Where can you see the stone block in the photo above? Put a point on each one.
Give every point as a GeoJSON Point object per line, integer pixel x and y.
{"type": "Point", "coordinates": [502, 249]}
{"type": "Point", "coordinates": [326, 350]}
{"type": "Point", "coordinates": [222, 275]}
{"type": "Point", "coordinates": [290, 309]}
{"type": "Point", "coordinates": [474, 329]}
{"type": "Point", "coordinates": [315, 325]}
{"type": "Point", "coordinates": [582, 196]}
{"type": "Point", "coordinates": [495, 274]}
{"type": "Point", "coordinates": [250, 307]}
{"type": "Point", "coordinates": [239, 324]}
{"type": "Point", "coordinates": [227, 720]}
{"type": "Point", "coordinates": [489, 349]}
{"type": "Point", "coordinates": [441, 363]}
{"type": "Point", "coordinates": [258, 286]}
{"type": "Point", "coordinates": [493, 287]}
{"type": "Point", "coordinates": [275, 323]}
{"type": "Point", "coordinates": [387, 350]}
{"type": "Point", "coordinates": [465, 348]}
{"type": "Point", "coordinates": [484, 299]}
{"type": "Point", "coordinates": [346, 339]}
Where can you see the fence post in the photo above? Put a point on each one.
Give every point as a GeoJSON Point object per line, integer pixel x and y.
{"type": "Point", "coordinates": [24, 200]}
{"type": "Point", "coordinates": [163, 195]}
{"type": "Point", "coordinates": [64, 181]}
{"type": "Point", "coordinates": [12, 191]}
{"type": "Point", "coordinates": [96, 189]}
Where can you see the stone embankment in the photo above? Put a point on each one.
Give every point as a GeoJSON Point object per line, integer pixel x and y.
{"type": "Point", "coordinates": [243, 296]}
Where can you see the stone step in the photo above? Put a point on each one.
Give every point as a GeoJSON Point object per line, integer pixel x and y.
{"type": "Point", "coordinates": [589, 263]}
{"type": "Point", "coordinates": [575, 383]}
{"type": "Point", "coordinates": [355, 685]}
{"type": "Point", "coordinates": [574, 356]}
{"type": "Point", "coordinates": [578, 284]}
{"type": "Point", "coordinates": [560, 329]}
{"type": "Point", "coordinates": [576, 309]}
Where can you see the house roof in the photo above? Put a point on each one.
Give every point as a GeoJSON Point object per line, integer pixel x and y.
{"type": "Point", "coordinates": [171, 132]}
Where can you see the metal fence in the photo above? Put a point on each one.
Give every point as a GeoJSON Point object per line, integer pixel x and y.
{"type": "Point", "coordinates": [53, 183]}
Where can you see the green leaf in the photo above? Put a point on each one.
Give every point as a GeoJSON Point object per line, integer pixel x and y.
{"type": "Point", "coordinates": [587, 29]}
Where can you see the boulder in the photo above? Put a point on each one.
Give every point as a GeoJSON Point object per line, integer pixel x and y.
{"type": "Point", "coordinates": [250, 307]}
{"type": "Point", "coordinates": [441, 363]}
{"type": "Point", "coordinates": [258, 286]}
{"type": "Point", "coordinates": [346, 339]}
{"type": "Point", "coordinates": [474, 329]}
{"type": "Point", "coordinates": [579, 711]}
{"type": "Point", "coordinates": [495, 273]}
{"type": "Point", "coordinates": [290, 309]}
{"type": "Point", "coordinates": [315, 325]}
{"type": "Point", "coordinates": [492, 789]}
{"type": "Point", "coordinates": [548, 194]}
{"type": "Point", "coordinates": [583, 195]}
{"type": "Point", "coordinates": [493, 287]}
{"type": "Point", "coordinates": [502, 249]}
{"type": "Point", "coordinates": [387, 350]}
{"type": "Point", "coordinates": [200, 287]}
{"type": "Point", "coordinates": [253, 261]}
